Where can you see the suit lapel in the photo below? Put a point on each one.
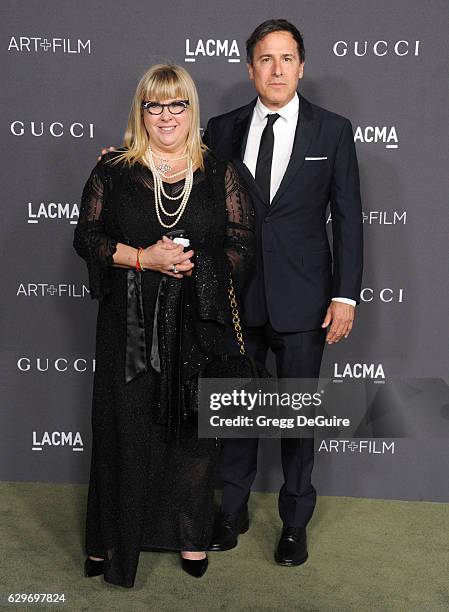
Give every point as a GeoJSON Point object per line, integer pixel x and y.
{"type": "Point", "coordinates": [240, 131]}
{"type": "Point", "coordinates": [305, 130]}
{"type": "Point", "coordinates": [239, 139]}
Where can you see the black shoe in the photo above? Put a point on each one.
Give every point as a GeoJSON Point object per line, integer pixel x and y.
{"type": "Point", "coordinates": [195, 567]}
{"type": "Point", "coordinates": [227, 530]}
{"type": "Point", "coordinates": [93, 568]}
{"type": "Point", "coordinates": [292, 547]}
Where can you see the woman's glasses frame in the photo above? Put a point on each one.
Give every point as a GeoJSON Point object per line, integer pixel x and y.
{"type": "Point", "coordinates": [175, 108]}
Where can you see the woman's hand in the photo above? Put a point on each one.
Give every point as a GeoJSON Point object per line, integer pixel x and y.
{"type": "Point", "coordinates": [165, 254]}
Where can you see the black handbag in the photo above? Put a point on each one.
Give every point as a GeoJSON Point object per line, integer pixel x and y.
{"type": "Point", "coordinates": [225, 365]}
{"type": "Point", "coordinates": [230, 365]}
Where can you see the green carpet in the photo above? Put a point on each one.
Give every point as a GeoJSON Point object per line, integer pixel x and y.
{"type": "Point", "coordinates": [363, 555]}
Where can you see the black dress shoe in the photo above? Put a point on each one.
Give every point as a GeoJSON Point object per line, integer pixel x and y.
{"type": "Point", "coordinates": [195, 567]}
{"type": "Point", "coordinates": [227, 530]}
{"type": "Point", "coordinates": [93, 568]}
{"type": "Point", "coordinates": [292, 547]}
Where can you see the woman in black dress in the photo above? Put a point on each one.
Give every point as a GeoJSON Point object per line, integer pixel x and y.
{"type": "Point", "coordinates": [163, 312]}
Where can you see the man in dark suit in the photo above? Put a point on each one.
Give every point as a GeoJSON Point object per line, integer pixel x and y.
{"type": "Point", "coordinates": [295, 158]}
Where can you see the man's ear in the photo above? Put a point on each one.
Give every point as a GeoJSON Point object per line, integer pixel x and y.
{"type": "Point", "coordinates": [250, 71]}
{"type": "Point", "coordinates": [301, 70]}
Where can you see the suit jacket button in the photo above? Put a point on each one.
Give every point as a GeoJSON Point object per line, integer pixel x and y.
{"type": "Point", "coordinates": [267, 219]}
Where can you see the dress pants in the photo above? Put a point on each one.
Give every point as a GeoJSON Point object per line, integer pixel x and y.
{"type": "Point", "coordinates": [298, 355]}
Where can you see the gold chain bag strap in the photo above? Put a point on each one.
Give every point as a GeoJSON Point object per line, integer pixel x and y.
{"type": "Point", "coordinates": [231, 365]}
{"type": "Point", "coordinates": [243, 365]}
{"type": "Point", "coordinates": [236, 316]}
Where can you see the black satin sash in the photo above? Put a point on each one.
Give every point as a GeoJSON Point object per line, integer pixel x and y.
{"type": "Point", "coordinates": [155, 358]}
{"type": "Point", "coordinates": [136, 351]}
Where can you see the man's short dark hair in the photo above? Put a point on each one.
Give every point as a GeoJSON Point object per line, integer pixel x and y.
{"type": "Point", "coordinates": [274, 25]}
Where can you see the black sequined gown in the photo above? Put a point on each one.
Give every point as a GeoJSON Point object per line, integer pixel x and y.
{"type": "Point", "coordinates": [148, 490]}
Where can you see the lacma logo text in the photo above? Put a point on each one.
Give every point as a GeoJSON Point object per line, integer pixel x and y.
{"type": "Point", "coordinates": [359, 370]}
{"type": "Point", "coordinates": [57, 438]}
{"type": "Point", "coordinates": [226, 48]}
{"type": "Point", "coordinates": [387, 135]}
{"type": "Point", "coordinates": [53, 210]}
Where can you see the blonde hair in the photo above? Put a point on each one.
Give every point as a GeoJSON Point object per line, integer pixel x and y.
{"type": "Point", "coordinates": [162, 82]}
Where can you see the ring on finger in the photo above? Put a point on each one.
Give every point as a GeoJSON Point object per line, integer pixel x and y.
{"type": "Point", "coordinates": [174, 269]}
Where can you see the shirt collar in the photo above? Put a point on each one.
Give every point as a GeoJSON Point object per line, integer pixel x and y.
{"type": "Point", "coordinates": [287, 112]}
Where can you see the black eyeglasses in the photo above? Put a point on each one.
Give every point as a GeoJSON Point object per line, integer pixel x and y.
{"type": "Point", "coordinates": [175, 108]}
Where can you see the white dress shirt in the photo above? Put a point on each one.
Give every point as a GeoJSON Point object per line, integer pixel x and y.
{"type": "Point", "coordinates": [284, 135]}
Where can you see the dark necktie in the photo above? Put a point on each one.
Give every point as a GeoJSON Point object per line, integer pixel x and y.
{"type": "Point", "coordinates": [265, 157]}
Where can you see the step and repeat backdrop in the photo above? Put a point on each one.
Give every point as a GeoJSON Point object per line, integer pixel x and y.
{"type": "Point", "coordinates": [69, 71]}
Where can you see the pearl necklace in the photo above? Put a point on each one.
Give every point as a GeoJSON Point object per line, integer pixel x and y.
{"type": "Point", "coordinates": [164, 166]}
{"type": "Point", "coordinates": [170, 176]}
{"type": "Point", "coordinates": [159, 190]}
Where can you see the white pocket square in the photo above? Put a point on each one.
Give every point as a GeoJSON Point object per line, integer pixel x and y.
{"type": "Point", "coordinates": [314, 158]}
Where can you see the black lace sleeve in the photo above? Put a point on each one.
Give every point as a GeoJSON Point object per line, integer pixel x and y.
{"type": "Point", "coordinates": [240, 239]}
{"type": "Point", "coordinates": [234, 254]}
{"type": "Point", "coordinates": [90, 240]}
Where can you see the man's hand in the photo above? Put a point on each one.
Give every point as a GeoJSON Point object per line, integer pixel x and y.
{"type": "Point", "coordinates": [104, 151]}
{"type": "Point", "coordinates": [340, 317]}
